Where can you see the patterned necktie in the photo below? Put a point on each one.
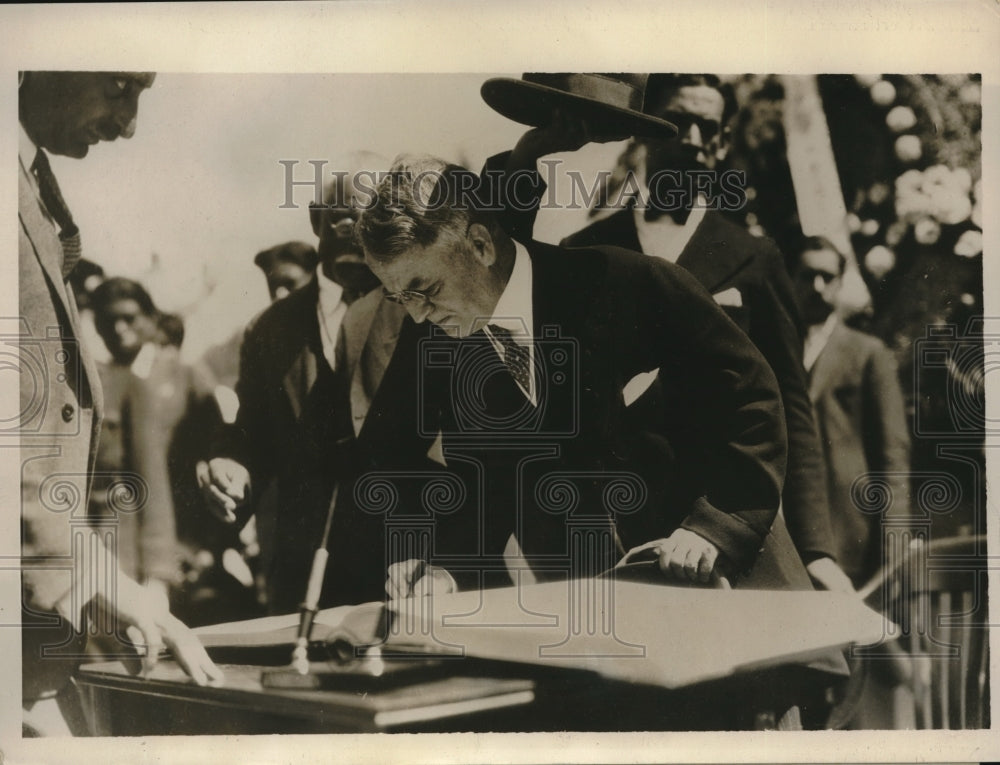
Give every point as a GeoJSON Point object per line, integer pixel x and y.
{"type": "Point", "coordinates": [48, 189]}
{"type": "Point", "coordinates": [515, 357]}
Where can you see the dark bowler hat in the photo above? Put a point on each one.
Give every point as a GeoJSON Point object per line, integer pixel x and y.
{"type": "Point", "coordinates": [613, 101]}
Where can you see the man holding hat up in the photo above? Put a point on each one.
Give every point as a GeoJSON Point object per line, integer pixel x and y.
{"type": "Point", "coordinates": [673, 220]}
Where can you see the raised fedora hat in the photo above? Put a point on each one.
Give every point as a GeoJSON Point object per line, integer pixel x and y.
{"type": "Point", "coordinates": [613, 101]}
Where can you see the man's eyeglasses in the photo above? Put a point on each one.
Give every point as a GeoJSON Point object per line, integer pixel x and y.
{"type": "Point", "coordinates": [421, 297]}
{"type": "Point", "coordinates": [343, 227]}
{"type": "Point", "coordinates": [809, 275]}
{"type": "Point", "coordinates": [708, 128]}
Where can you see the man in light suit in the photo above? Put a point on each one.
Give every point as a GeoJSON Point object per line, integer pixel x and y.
{"type": "Point", "coordinates": [745, 274]}
{"type": "Point", "coordinates": [311, 366]}
{"type": "Point", "coordinates": [66, 562]}
{"type": "Point", "coordinates": [854, 386]}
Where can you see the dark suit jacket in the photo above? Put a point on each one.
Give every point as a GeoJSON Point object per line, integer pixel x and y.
{"type": "Point", "coordinates": [307, 428]}
{"type": "Point", "coordinates": [723, 257]}
{"type": "Point", "coordinates": [60, 405]}
{"type": "Point", "coordinates": [713, 462]}
{"type": "Point", "coordinates": [859, 407]}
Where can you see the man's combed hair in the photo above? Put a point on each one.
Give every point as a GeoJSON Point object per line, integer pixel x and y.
{"type": "Point", "coordinates": [419, 200]}
{"type": "Point", "coordinates": [119, 288]}
{"type": "Point", "coordinates": [660, 88]}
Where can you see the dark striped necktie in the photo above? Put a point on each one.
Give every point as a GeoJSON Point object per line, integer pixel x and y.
{"type": "Point", "coordinates": [515, 357]}
{"type": "Point", "coordinates": [48, 189]}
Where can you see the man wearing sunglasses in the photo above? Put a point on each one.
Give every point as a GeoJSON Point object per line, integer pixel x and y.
{"type": "Point", "coordinates": [676, 219]}
{"type": "Point", "coordinates": [859, 408]}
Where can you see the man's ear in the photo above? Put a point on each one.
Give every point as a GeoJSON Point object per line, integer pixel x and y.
{"type": "Point", "coordinates": [725, 141]}
{"type": "Point", "coordinates": [482, 244]}
{"type": "Point", "coordinates": [316, 217]}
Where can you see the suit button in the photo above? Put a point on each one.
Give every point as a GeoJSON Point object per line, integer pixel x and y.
{"type": "Point", "coordinates": [68, 412]}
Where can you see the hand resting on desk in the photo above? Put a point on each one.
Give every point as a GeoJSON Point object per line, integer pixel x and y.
{"type": "Point", "coordinates": [683, 555]}
{"type": "Point", "coordinates": [415, 578]}
{"type": "Point", "coordinates": [158, 627]}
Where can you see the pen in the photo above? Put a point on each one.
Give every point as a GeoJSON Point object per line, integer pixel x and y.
{"type": "Point", "coordinates": [309, 607]}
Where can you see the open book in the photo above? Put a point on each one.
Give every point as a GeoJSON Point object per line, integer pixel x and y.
{"type": "Point", "coordinates": [643, 633]}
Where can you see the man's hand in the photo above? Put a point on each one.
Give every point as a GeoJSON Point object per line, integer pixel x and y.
{"type": "Point", "coordinates": [827, 575]}
{"type": "Point", "coordinates": [414, 578]}
{"type": "Point", "coordinates": [683, 555]}
{"type": "Point", "coordinates": [158, 627]}
{"type": "Point", "coordinates": [225, 486]}
{"type": "Point", "coordinates": [566, 132]}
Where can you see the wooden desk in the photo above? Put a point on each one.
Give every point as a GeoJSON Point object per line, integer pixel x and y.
{"type": "Point", "coordinates": [480, 697]}
{"type": "Point", "coordinates": [586, 656]}
{"type": "Point", "coordinates": [168, 703]}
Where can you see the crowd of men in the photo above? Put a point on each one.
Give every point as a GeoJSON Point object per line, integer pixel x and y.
{"type": "Point", "coordinates": [428, 338]}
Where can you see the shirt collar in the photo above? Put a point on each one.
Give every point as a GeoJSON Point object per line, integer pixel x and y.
{"type": "Point", "coordinates": [513, 310]}
{"type": "Point", "coordinates": [330, 292]}
{"type": "Point", "coordinates": [817, 336]}
{"type": "Point", "coordinates": [25, 146]}
{"type": "Point", "coordinates": [694, 218]}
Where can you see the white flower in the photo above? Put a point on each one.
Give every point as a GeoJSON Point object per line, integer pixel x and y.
{"type": "Point", "coordinates": [908, 148]}
{"type": "Point", "coordinates": [969, 244]}
{"type": "Point", "coordinates": [878, 193]}
{"type": "Point", "coordinates": [971, 93]}
{"type": "Point", "coordinates": [911, 180]}
{"type": "Point", "coordinates": [955, 80]}
{"type": "Point", "coordinates": [867, 80]}
{"type": "Point", "coordinates": [869, 227]}
{"type": "Point", "coordinates": [883, 92]}
{"type": "Point", "coordinates": [962, 178]}
{"type": "Point", "coordinates": [937, 175]}
{"type": "Point", "coordinates": [853, 223]}
{"type": "Point", "coordinates": [955, 209]}
{"type": "Point", "coordinates": [926, 231]}
{"type": "Point", "coordinates": [895, 233]}
{"type": "Point", "coordinates": [880, 260]}
{"type": "Point", "coordinates": [912, 203]}
{"type": "Point", "coordinates": [900, 118]}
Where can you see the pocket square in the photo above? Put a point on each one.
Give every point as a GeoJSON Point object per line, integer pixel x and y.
{"type": "Point", "coordinates": [730, 297]}
{"type": "Point", "coordinates": [638, 385]}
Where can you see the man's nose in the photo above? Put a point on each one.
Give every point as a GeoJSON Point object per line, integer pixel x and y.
{"type": "Point", "coordinates": [819, 284]}
{"type": "Point", "coordinates": [692, 135]}
{"type": "Point", "coordinates": [121, 327]}
{"type": "Point", "coordinates": [126, 116]}
{"type": "Point", "coordinates": [419, 310]}
{"type": "Point", "coordinates": [127, 129]}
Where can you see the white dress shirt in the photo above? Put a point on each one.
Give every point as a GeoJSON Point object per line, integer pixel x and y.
{"type": "Point", "coordinates": [663, 237]}
{"type": "Point", "coordinates": [330, 311]}
{"type": "Point", "coordinates": [817, 336]}
{"type": "Point", "coordinates": [513, 312]}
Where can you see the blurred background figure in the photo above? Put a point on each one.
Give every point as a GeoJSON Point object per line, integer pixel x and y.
{"type": "Point", "coordinates": [286, 267]}
{"type": "Point", "coordinates": [854, 387]}
{"type": "Point", "coordinates": [141, 406]}
{"type": "Point", "coordinates": [156, 412]}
